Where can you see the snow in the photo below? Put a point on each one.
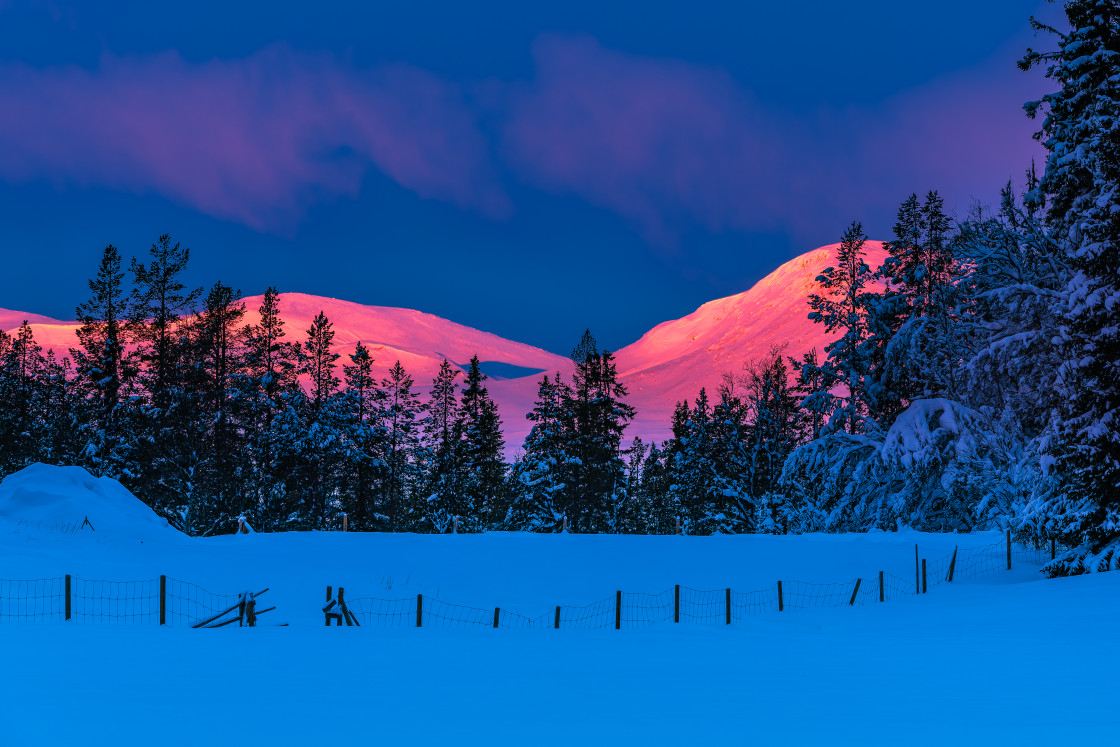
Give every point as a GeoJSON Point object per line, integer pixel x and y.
{"type": "Point", "coordinates": [669, 363]}
{"type": "Point", "coordinates": [43, 503]}
{"type": "Point", "coordinates": [957, 664]}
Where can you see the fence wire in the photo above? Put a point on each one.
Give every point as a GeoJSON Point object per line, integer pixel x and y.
{"type": "Point", "coordinates": [390, 613]}
{"type": "Point", "coordinates": [642, 610]}
{"type": "Point", "coordinates": [189, 603]}
{"type": "Point", "coordinates": [32, 600]}
{"type": "Point", "coordinates": [595, 616]}
{"type": "Point", "coordinates": [138, 602]}
{"type": "Point", "coordinates": [125, 602]}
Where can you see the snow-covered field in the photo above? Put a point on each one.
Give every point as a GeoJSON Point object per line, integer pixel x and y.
{"type": "Point", "coordinates": [1009, 657]}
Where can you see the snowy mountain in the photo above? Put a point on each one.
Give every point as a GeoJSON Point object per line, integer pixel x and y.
{"type": "Point", "coordinates": [669, 363]}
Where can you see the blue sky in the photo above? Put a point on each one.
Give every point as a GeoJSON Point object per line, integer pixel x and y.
{"type": "Point", "coordinates": [527, 169]}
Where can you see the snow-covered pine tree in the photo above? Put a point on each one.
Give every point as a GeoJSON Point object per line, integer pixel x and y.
{"type": "Point", "coordinates": [103, 370]}
{"type": "Point", "coordinates": [268, 385]}
{"type": "Point", "coordinates": [841, 308]}
{"type": "Point", "coordinates": [442, 436]}
{"type": "Point", "coordinates": [403, 451]}
{"type": "Point", "coordinates": [1082, 181]}
{"type": "Point", "coordinates": [600, 415]}
{"type": "Point", "coordinates": [541, 478]}
{"type": "Point", "coordinates": [218, 497]}
{"type": "Point", "coordinates": [363, 468]}
{"type": "Point", "coordinates": [155, 317]}
{"type": "Point", "coordinates": [483, 481]}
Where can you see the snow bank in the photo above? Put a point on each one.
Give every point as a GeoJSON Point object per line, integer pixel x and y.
{"type": "Point", "coordinates": [43, 500]}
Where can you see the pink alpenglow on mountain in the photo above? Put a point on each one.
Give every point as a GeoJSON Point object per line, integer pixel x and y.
{"type": "Point", "coordinates": [669, 363]}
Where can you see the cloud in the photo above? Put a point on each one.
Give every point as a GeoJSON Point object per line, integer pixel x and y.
{"type": "Point", "coordinates": [254, 140]}
{"type": "Point", "coordinates": [670, 144]}
{"type": "Point", "coordinates": [659, 141]}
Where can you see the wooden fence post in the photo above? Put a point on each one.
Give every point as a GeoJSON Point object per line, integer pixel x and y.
{"type": "Point", "coordinates": [496, 611]}
{"type": "Point", "coordinates": [679, 525]}
{"type": "Point", "coordinates": [781, 604]}
{"type": "Point", "coordinates": [618, 610]}
{"type": "Point", "coordinates": [419, 610]}
{"type": "Point", "coordinates": [924, 588]}
{"type": "Point", "coordinates": [855, 591]}
{"type": "Point", "coordinates": [327, 617]}
{"type": "Point", "coordinates": [565, 523]}
{"type": "Point", "coordinates": [882, 596]}
{"type": "Point", "coordinates": [1009, 549]}
{"type": "Point", "coordinates": [727, 605]}
{"type": "Point", "coordinates": [1052, 548]}
{"type": "Point", "coordinates": [677, 603]}
{"type": "Point", "coordinates": [341, 607]}
{"type": "Point", "coordinates": [917, 573]}
{"type": "Point", "coordinates": [556, 625]}
{"type": "Point", "coordinates": [455, 525]}
{"type": "Point", "coordinates": [345, 522]}
{"type": "Point", "coordinates": [162, 600]}
{"type": "Point", "coordinates": [67, 596]}
{"type": "Point", "coordinates": [952, 566]}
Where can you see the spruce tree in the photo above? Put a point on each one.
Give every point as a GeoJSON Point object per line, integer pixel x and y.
{"type": "Point", "coordinates": [1082, 182]}
{"type": "Point", "coordinates": [365, 434]}
{"type": "Point", "coordinates": [402, 447]}
{"type": "Point", "coordinates": [483, 479]}
{"type": "Point", "coordinates": [442, 434]}
{"type": "Point", "coordinates": [103, 369]}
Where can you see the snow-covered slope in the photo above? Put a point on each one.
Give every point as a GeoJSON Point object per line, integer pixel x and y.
{"type": "Point", "coordinates": [43, 500]}
{"type": "Point", "coordinates": [675, 359]}
{"type": "Point", "coordinates": [671, 362]}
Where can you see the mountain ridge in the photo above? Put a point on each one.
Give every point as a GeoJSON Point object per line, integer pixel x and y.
{"type": "Point", "coordinates": [670, 362]}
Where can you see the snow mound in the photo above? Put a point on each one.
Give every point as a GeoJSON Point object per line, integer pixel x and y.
{"type": "Point", "coordinates": [43, 499]}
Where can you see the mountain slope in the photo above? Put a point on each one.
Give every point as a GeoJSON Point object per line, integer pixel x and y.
{"type": "Point", "coordinates": [671, 362]}
{"type": "Point", "coordinates": [675, 359]}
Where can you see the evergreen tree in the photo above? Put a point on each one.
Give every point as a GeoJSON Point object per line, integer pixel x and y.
{"type": "Point", "coordinates": [542, 477]}
{"type": "Point", "coordinates": [483, 480]}
{"type": "Point", "coordinates": [1082, 182]}
{"type": "Point", "coordinates": [402, 447]}
{"type": "Point", "coordinates": [103, 370]}
{"type": "Point", "coordinates": [600, 417]}
{"type": "Point", "coordinates": [442, 434]}
{"type": "Point", "coordinates": [842, 311]}
{"type": "Point", "coordinates": [365, 434]}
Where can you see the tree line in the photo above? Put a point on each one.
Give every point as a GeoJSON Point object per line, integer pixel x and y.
{"type": "Point", "coordinates": [973, 382]}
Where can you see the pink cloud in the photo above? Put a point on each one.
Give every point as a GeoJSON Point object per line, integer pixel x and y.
{"type": "Point", "coordinates": [666, 143]}
{"type": "Point", "coordinates": [653, 139]}
{"type": "Point", "coordinates": [254, 140]}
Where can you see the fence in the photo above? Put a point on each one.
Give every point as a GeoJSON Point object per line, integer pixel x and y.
{"type": "Point", "coordinates": [158, 601]}
{"type": "Point", "coordinates": [629, 610]}
{"type": "Point", "coordinates": [170, 601]}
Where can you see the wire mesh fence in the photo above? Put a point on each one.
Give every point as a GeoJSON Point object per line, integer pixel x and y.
{"type": "Point", "coordinates": [158, 601]}
{"type": "Point", "coordinates": [171, 601]}
{"type": "Point", "coordinates": [32, 600]}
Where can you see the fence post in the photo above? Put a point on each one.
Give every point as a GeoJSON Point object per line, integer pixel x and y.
{"type": "Point", "coordinates": [855, 591]}
{"type": "Point", "coordinates": [917, 573]}
{"type": "Point", "coordinates": [618, 610]}
{"type": "Point", "coordinates": [882, 596]}
{"type": "Point", "coordinates": [565, 523]}
{"type": "Point", "coordinates": [1052, 548]}
{"type": "Point", "coordinates": [677, 603]}
{"type": "Point", "coordinates": [952, 566]}
{"type": "Point", "coordinates": [345, 522]}
{"type": "Point", "coordinates": [781, 604]}
{"type": "Point", "coordinates": [455, 525]}
{"type": "Point", "coordinates": [1009, 549]}
{"type": "Point", "coordinates": [326, 616]}
{"type": "Point", "coordinates": [924, 588]}
{"type": "Point", "coordinates": [419, 610]}
{"type": "Point", "coordinates": [728, 606]}
{"type": "Point", "coordinates": [162, 599]}
{"type": "Point", "coordinates": [496, 611]}
{"type": "Point", "coordinates": [557, 623]}
{"type": "Point", "coordinates": [67, 596]}
{"type": "Point", "coordinates": [679, 525]}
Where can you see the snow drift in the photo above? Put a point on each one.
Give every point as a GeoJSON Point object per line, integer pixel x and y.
{"type": "Point", "coordinates": [45, 500]}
